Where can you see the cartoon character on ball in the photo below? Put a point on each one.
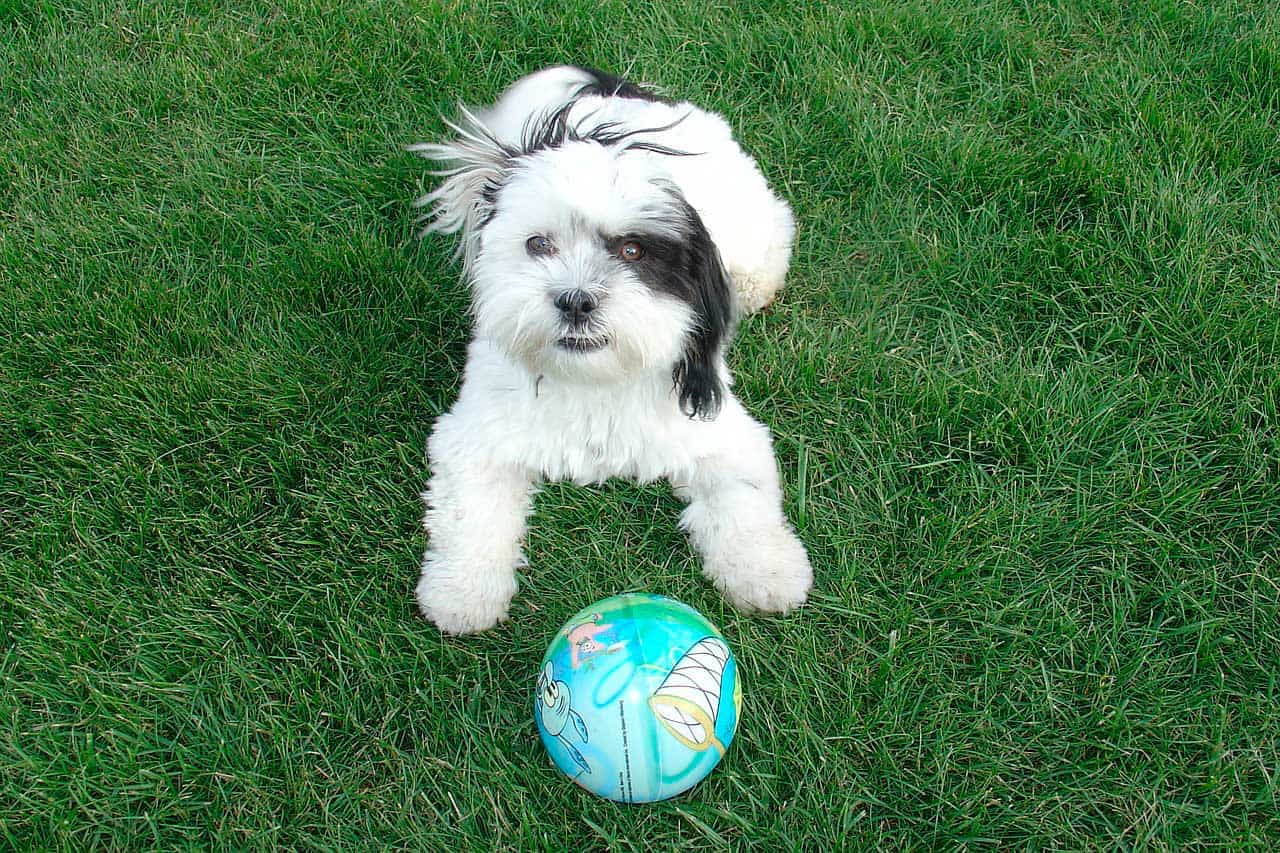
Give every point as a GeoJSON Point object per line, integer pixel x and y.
{"type": "Point", "coordinates": [554, 713]}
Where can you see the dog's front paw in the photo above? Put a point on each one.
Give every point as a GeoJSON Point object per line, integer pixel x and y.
{"type": "Point", "coordinates": [768, 573]}
{"type": "Point", "coordinates": [464, 602]}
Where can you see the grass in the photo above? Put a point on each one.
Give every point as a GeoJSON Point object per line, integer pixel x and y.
{"type": "Point", "coordinates": [1023, 385]}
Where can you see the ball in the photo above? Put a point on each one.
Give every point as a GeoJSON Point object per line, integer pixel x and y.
{"type": "Point", "coordinates": [637, 698]}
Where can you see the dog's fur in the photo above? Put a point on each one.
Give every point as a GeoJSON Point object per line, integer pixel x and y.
{"type": "Point", "coordinates": [610, 237]}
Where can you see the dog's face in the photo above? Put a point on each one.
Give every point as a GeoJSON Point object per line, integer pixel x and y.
{"type": "Point", "coordinates": [586, 263]}
{"type": "Point", "coordinates": [577, 272]}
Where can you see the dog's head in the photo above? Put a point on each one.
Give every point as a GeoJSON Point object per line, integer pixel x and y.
{"type": "Point", "coordinates": [585, 260]}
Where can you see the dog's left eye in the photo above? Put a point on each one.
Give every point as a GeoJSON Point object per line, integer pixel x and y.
{"type": "Point", "coordinates": [631, 251]}
{"type": "Point", "coordinates": [540, 246]}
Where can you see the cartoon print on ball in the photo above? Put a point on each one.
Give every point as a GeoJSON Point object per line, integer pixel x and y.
{"type": "Point", "coordinates": [688, 700]}
{"type": "Point", "coordinates": [555, 713]}
{"type": "Point", "coordinates": [656, 686]}
{"type": "Point", "coordinates": [584, 640]}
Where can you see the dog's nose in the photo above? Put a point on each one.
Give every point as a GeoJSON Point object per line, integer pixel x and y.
{"type": "Point", "coordinates": [576, 305]}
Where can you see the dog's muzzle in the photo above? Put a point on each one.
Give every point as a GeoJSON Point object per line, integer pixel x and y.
{"type": "Point", "coordinates": [576, 308]}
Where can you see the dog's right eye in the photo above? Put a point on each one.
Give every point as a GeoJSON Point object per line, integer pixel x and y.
{"type": "Point", "coordinates": [540, 246]}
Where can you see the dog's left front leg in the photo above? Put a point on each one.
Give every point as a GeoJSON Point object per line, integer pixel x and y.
{"type": "Point", "coordinates": [475, 522]}
{"type": "Point", "coordinates": [735, 521]}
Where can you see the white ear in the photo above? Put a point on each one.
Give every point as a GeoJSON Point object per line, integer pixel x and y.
{"type": "Point", "coordinates": [476, 165]}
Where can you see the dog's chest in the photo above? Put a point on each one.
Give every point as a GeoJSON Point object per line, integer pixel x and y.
{"type": "Point", "coordinates": [591, 438]}
{"type": "Point", "coordinates": [592, 446]}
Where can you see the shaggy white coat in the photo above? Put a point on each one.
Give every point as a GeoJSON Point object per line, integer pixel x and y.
{"type": "Point", "coordinates": [530, 409]}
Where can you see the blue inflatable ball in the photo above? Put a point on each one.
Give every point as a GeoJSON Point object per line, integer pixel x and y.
{"type": "Point", "coordinates": [637, 698]}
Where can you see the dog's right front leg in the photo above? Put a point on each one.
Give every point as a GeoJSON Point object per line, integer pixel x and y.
{"type": "Point", "coordinates": [475, 521]}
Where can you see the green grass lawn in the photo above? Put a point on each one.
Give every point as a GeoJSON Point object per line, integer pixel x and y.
{"type": "Point", "coordinates": [1023, 385]}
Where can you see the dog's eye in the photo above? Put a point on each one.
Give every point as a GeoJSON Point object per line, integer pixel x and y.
{"type": "Point", "coordinates": [540, 246]}
{"type": "Point", "coordinates": [631, 251]}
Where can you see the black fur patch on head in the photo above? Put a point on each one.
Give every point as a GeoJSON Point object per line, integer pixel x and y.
{"type": "Point", "coordinates": [489, 195]}
{"type": "Point", "coordinates": [689, 269]}
{"type": "Point", "coordinates": [612, 86]}
{"type": "Point", "coordinates": [554, 130]}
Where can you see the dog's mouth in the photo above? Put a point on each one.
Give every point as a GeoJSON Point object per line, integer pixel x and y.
{"type": "Point", "coordinates": [576, 343]}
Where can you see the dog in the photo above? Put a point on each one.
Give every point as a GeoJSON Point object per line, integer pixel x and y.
{"type": "Point", "coordinates": [610, 238]}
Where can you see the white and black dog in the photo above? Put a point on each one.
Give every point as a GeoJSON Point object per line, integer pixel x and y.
{"type": "Point", "coordinates": [610, 237]}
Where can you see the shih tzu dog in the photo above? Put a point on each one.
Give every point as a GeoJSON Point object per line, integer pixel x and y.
{"type": "Point", "coordinates": [610, 238]}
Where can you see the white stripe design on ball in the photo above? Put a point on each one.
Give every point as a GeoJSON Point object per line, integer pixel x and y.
{"type": "Point", "coordinates": [688, 700]}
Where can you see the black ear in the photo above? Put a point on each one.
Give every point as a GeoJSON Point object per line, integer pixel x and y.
{"type": "Point", "coordinates": [710, 295]}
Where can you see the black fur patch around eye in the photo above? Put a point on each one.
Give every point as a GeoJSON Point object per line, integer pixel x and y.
{"type": "Point", "coordinates": [688, 268]}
